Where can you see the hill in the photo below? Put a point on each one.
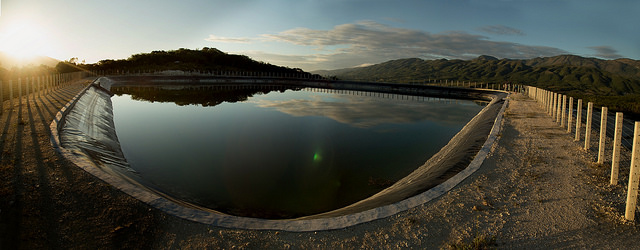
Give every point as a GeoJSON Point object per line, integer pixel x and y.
{"type": "Point", "coordinates": [8, 62]}
{"type": "Point", "coordinates": [615, 83]}
{"type": "Point", "coordinates": [206, 59]}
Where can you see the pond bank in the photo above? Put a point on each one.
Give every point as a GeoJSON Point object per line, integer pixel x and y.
{"type": "Point", "coordinates": [88, 139]}
{"type": "Point", "coordinates": [523, 194]}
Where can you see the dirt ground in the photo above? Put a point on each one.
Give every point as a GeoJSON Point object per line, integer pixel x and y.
{"type": "Point", "coordinates": [537, 189]}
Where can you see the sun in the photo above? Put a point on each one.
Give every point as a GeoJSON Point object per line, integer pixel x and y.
{"type": "Point", "coordinates": [23, 40]}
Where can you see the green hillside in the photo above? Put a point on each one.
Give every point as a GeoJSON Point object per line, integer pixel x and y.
{"type": "Point", "coordinates": [614, 83]}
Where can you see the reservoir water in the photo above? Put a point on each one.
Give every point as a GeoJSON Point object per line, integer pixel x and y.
{"type": "Point", "coordinates": [279, 153]}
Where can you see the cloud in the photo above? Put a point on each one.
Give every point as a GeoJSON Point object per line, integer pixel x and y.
{"type": "Point", "coordinates": [352, 44]}
{"type": "Point", "coordinates": [501, 30]}
{"type": "Point", "coordinates": [395, 20]}
{"type": "Point", "coordinates": [364, 65]}
{"type": "Point", "coordinates": [369, 42]}
{"type": "Point", "coordinates": [214, 38]}
{"type": "Point", "coordinates": [606, 52]}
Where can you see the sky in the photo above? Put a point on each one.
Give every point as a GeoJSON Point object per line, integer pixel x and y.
{"type": "Point", "coordinates": [322, 34]}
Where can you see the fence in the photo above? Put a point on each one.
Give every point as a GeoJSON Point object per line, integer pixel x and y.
{"type": "Point", "coordinates": [625, 133]}
{"type": "Point", "coordinates": [16, 88]}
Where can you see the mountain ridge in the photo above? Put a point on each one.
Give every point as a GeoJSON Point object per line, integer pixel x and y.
{"type": "Point", "coordinates": [607, 77]}
{"type": "Point", "coordinates": [611, 83]}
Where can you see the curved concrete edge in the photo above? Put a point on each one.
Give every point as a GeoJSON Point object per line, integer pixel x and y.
{"type": "Point", "coordinates": [205, 216]}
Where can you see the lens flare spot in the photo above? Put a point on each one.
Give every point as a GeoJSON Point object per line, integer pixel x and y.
{"type": "Point", "coordinates": [316, 157]}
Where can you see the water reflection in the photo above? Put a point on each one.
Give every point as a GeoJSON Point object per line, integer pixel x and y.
{"type": "Point", "coordinates": [364, 111]}
{"type": "Point", "coordinates": [202, 95]}
{"type": "Point", "coordinates": [277, 152]}
{"type": "Point", "coordinates": [356, 108]}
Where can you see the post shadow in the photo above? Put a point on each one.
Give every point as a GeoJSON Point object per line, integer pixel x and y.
{"type": "Point", "coordinates": [49, 217]}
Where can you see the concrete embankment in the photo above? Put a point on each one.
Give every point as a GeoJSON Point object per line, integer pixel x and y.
{"type": "Point", "coordinates": [86, 135]}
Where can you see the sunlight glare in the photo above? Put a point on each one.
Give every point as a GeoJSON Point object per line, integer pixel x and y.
{"type": "Point", "coordinates": [23, 40]}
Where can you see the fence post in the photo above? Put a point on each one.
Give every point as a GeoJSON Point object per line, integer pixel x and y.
{"type": "Point", "coordinates": [1, 98]}
{"type": "Point", "coordinates": [578, 119]}
{"type": "Point", "coordinates": [19, 91]}
{"type": "Point", "coordinates": [632, 190]}
{"type": "Point", "coordinates": [554, 103]}
{"type": "Point", "coordinates": [49, 84]}
{"type": "Point", "coordinates": [26, 92]}
{"type": "Point", "coordinates": [603, 134]}
{"type": "Point", "coordinates": [34, 86]}
{"type": "Point", "coordinates": [564, 108]}
{"type": "Point", "coordinates": [540, 96]}
{"type": "Point", "coordinates": [553, 106]}
{"type": "Point", "coordinates": [558, 108]}
{"type": "Point", "coordinates": [546, 100]}
{"type": "Point", "coordinates": [549, 101]}
{"type": "Point", "coordinates": [40, 88]}
{"type": "Point", "coordinates": [556, 100]}
{"type": "Point", "coordinates": [617, 141]}
{"type": "Point", "coordinates": [587, 133]}
{"type": "Point", "coordinates": [11, 93]}
{"type": "Point", "coordinates": [570, 115]}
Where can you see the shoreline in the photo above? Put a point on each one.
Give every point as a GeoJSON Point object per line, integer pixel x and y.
{"type": "Point", "coordinates": [453, 163]}
{"type": "Point", "coordinates": [536, 189]}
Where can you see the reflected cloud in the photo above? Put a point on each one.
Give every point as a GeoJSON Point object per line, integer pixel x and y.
{"type": "Point", "coordinates": [365, 111]}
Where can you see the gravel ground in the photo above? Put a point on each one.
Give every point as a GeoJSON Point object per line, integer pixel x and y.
{"type": "Point", "coordinates": [538, 189]}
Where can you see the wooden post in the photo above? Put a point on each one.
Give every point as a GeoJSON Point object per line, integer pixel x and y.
{"type": "Point", "coordinates": [549, 101]}
{"type": "Point", "coordinates": [1, 98]}
{"type": "Point", "coordinates": [553, 106]}
{"type": "Point", "coordinates": [564, 113]}
{"type": "Point", "coordinates": [34, 86]}
{"type": "Point", "coordinates": [603, 134]}
{"type": "Point", "coordinates": [541, 97]}
{"type": "Point", "coordinates": [570, 115]}
{"type": "Point", "coordinates": [578, 119]}
{"type": "Point", "coordinates": [545, 100]}
{"type": "Point", "coordinates": [617, 141]}
{"type": "Point", "coordinates": [19, 91]}
{"type": "Point", "coordinates": [26, 92]}
{"type": "Point", "coordinates": [552, 102]}
{"type": "Point", "coordinates": [49, 83]}
{"type": "Point", "coordinates": [40, 88]}
{"type": "Point", "coordinates": [587, 133]}
{"type": "Point", "coordinates": [558, 109]}
{"type": "Point", "coordinates": [632, 190]}
{"type": "Point", "coordinates": [11, 93]}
